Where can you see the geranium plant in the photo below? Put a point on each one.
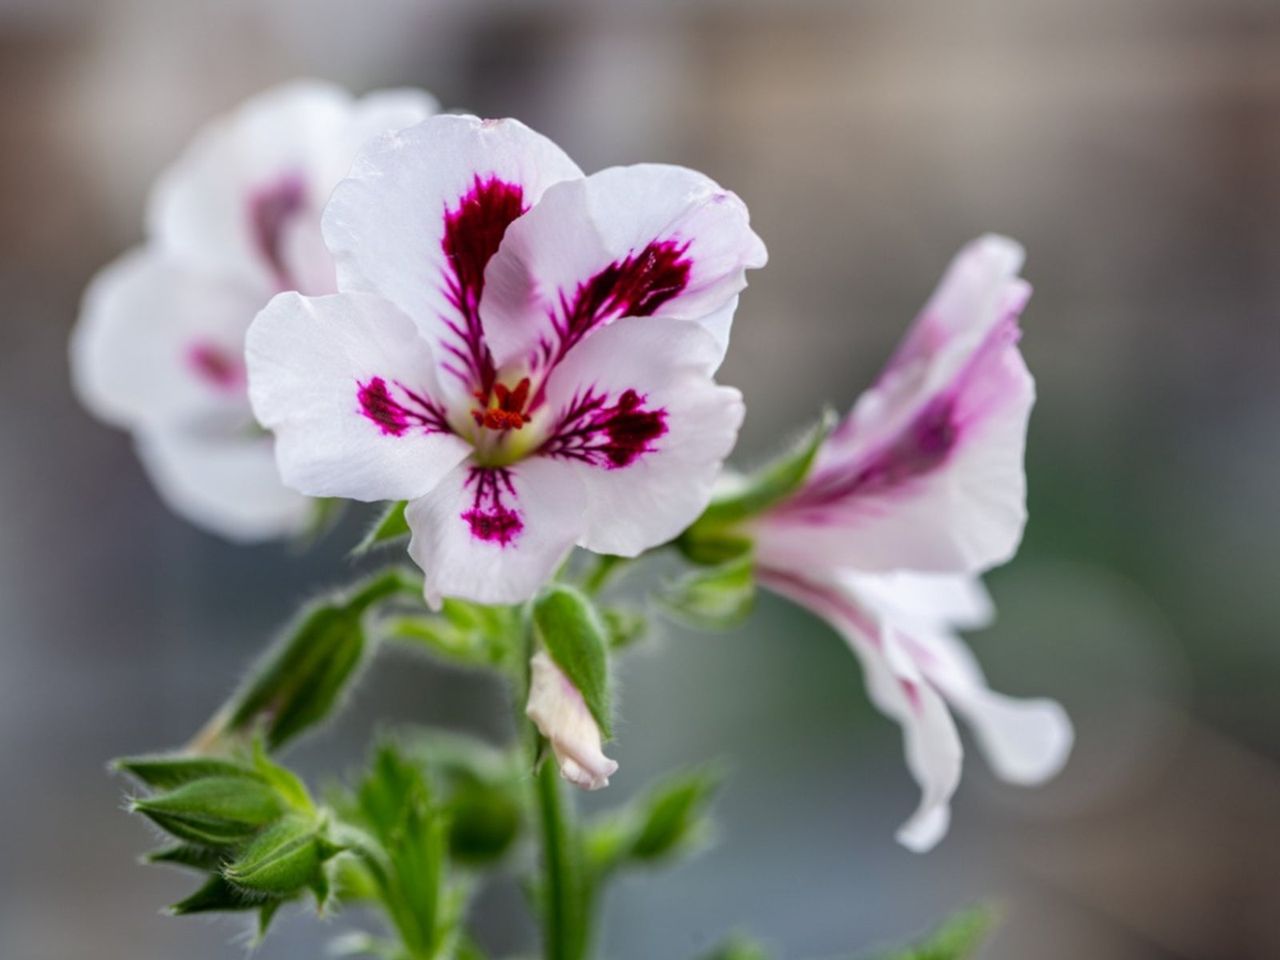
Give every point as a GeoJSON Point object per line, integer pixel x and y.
{"type": "Point", "coordinates": [349, 299]}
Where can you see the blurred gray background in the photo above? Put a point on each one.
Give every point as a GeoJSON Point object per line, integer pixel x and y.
{"type": "Point", "coordinates": [1132, 145]}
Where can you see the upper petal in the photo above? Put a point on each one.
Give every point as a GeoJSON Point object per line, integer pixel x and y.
{"type": "Point", "coordinates": [495, 535]}
{"type": "Point", "coordinates": [157, 344]}
{"type": "Point", "coordinates": [252, 178]}
{"type": "Point", "coordinates": [636, 415]}
{"type": "Point", "coordinates": [645, 240]}
{"type": "Point", "coordinates": [226, 483]}
{"type": "Point", "coordinates": [422, 213]}
{"type": "Point", "coordinates": [348, 386]}
{"type": "Point", "coordinates": [927, 472]}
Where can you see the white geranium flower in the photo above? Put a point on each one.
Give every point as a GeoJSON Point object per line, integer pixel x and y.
{"type": "Point", "coordinates": [159, 346]}
{"type": "Point", "coordinates": [558, 710]}
{"type": "Point", "coordinates": [522, 352]}
{"type": "Point", "coordinates": [918, 490]}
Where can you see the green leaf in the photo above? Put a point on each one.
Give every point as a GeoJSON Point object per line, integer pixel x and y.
{"type": "Point", "coordinates": [958, 938]}
{"type": "Point", "coordinates": [283, 860]}
{"type": "Point", "coordinates": [484, 821]}
{"type": "Point", "coordinates": [572, 632]}
{"type": "Point", "coordinates": [303, 678]}
{"type": "Point", "coordinates": [217, 895]}
{"type": "Point", "coordinates": [389, 527]}
{"type": "Point", "coordinates": [163, 771]}
{"type": "Point", "coordinates": [738, 948]}
{"type": "Point", "coordinates": [214, 811]}
{"type": "Point", "coordinates": [713, 598]}
{"type": "Point", "coordinates": [625, 626]}
{"type": "Point", "coordinates": [668, 821]}
{"type": "Point", "coordinates": [715, 536]}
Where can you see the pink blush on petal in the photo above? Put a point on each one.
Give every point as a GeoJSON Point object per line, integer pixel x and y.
{"type": "Point", "coordinates": [271, 208]}
{"type": "Point", "coordinates": [216, 366]}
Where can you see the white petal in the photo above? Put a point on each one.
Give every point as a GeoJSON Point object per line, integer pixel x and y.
{"type": "Point", "coordinates": [646, 240]}
{"type": "Point", "coordinates": [349, 388]}
{"type": "Point", "coordinates": [927, 473]}
{"type": "Point", "coordinates": [927, 599]}
{"type": "Point", "coordinates": [272, 161]}
{"type": "Point", "coordinates": [225, 484]}
{"type": "Point", "coordinates": [898, 688]}
{"type": "Point", "coordinates": [422, 213]}
{"type": "Point", "coordinates": [158, 345]}
{"type": "Point", "coordinates": [643, 425]}
{"type": "Point", "coordinates": [561, 715]}
{"type": "Point", "coordinates": [1026, 741]}
{"type": "Point", "coordinates": [495, 536]}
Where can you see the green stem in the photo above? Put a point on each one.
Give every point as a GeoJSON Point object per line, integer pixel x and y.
{"type": "Point", "coordinates": [563, 898]}
{"type": "Point", "coordinates": [562, 901]}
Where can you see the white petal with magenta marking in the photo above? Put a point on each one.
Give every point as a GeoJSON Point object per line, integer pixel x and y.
{"type": "Point", "coordinates": [644, 240]}
{"type": "Point", "coordinates": [642, 424]}
{"type": "Point", "coordinates": [348, 386]}
{"type": "Point", "coordinates": [422, 213]}
{"type": "Point", "coordinates": [495, 535]}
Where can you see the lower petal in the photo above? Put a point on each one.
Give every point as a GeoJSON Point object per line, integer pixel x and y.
{"type": "Point", "coordinates": [645, 428]}
{"type": "Point", "coordinates": [898, 688]}
{"type": "Point", "coordinates": [495, 534]}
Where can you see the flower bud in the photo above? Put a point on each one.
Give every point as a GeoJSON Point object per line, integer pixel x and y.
{"type": "Point", "coordinates": [561, 715]}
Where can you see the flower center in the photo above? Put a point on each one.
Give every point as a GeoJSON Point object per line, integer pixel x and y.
{"type": "Point", "coordinates": [502, 408]}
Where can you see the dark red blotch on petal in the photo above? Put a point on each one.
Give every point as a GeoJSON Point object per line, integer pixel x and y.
{"type": "Point", "coordinates": [607, 436]}
{"type": "Point", "coordinates": [489, 518]}
{"type": "Point", "coordinates": [473, 230]}
{"type": "Point", "coordinates": [393, 416]}
{"type": "Point", "coordinates": [635, 286]}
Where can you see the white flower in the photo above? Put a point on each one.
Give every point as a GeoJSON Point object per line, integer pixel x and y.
{"type": "Point", "coordinates": [159, 346]}
{"type": "Point", "coordinates": [524, 353]}
{"type": "Point", "coordinates": [558, 710]}
{"type": "Point", "coordinates": [919, 490]}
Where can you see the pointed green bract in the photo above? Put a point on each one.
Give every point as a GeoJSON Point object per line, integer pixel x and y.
{"type": "Point", "coordinates": [390, 526]}
{"type": "Point", "coordinates": [668, 821]}
{"type": "Point", "coordinates": [738, 948]}
{"type": "Point", "coordinates": [213, 811]}
{"type": "Point", "coordinates": [571, 630]}
{"type": "Point", "coordinates": [716, 537]}
{"type": "Point", "coordinates": [284, 860]}
{"type": "Point", "coordinates": [217, 896]}
{"type": "Point", "coordinates": [164, 771]}
{"type": "Point", "coordinates": [713, 598]}
{"type": "Point", "coordinates": [958, 938]}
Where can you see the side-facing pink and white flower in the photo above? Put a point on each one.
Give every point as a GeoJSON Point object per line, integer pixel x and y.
{"type": "Point", "coordinates": [916, 492]}
{"type": "Point", "coordinates": [522, 352]}
{"type": "Point", "coordinates": [159, 346]}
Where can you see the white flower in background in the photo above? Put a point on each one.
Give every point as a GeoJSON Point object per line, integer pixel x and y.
{"type": "Point", "coordinates": [523, 353]}
{"type": "Point", "coordinates": [558, 710]}
{"type": "Point", "coordinates": [919, 490]}
{"type": "Point", "coordinates": [159, 346]}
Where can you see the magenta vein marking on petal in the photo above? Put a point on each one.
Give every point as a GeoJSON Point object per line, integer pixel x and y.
{"type": "Point", "coordinates": [593, 431]}
{"type": "Point", "coordinates": [473, 231]}
{"type": "Point", "coordinates": [635, 286]}
{"type": "Point", "coordinates": [215, 366]}
{"type": "Point", "coordinates": [395, 417]}
{"type": "Point", "coordinates": [271, 207]}
{"type": "Point", "coordinates": [489, 518]}
{"type": "Point", "coordinates": [922, 447]}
